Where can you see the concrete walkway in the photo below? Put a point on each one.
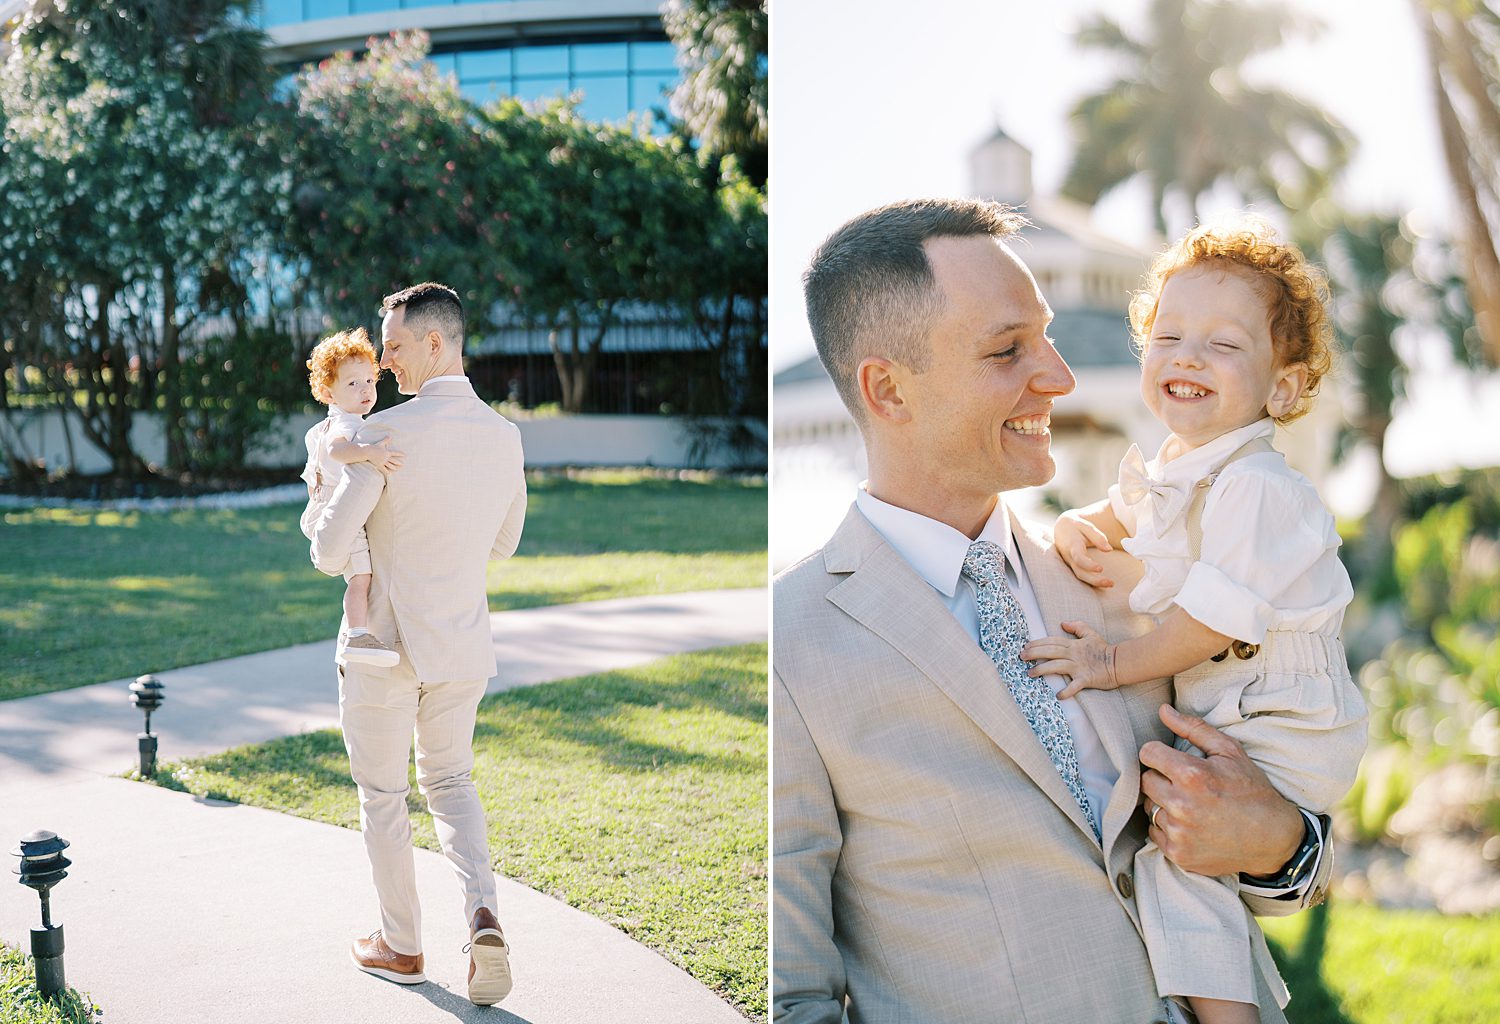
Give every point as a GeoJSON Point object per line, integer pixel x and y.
{"type": "Point", "coordinates": [179, 909]}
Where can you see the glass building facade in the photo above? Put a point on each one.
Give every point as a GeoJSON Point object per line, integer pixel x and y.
{"type": "Point", "coordinates": [617, 74]}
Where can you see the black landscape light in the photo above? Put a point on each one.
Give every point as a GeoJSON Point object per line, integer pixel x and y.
{"type": "Point", "coordinates": [43, 866]}
{"type": "Point", "coordinates": [146, 694]}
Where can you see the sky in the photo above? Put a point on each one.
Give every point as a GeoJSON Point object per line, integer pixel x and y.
{"type": "Point", "coordinates": [886, 103]}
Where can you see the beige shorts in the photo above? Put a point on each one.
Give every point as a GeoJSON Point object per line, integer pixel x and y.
{"type": "Point", "coordinates": [359, 553]}
{"type": "Point", "coordinates": [359, 557]}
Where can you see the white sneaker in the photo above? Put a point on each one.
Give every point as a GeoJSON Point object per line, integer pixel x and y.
{"type": "Point", "coordinates": [489, 967]}
{"type": "Point", "coordinates": [366, 649]}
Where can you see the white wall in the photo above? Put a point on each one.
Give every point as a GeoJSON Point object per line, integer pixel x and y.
{"type": "Point", "coordinates": [553, 441]}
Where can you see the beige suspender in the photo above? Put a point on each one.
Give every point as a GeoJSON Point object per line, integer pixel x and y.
{"type": "Point", "coordinates": [1254, 446]}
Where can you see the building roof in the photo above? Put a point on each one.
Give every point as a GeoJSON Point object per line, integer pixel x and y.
{"type": "Point", "coordinates": [808, 369]}
{"type": "Point", "coordinates": [1059, 216]}
{"type": "Point", "coordinates": [1087, 338]}
{"type": "Point", "coordinates": [1092, 338]}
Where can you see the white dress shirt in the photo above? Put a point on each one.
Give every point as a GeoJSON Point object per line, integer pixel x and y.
{"type": "Point", "coordinates": [936, 551]}
{"type": "Point", "coordinates": [340, 426]}
{"type": "Point", "coordinates": [1269, 557]}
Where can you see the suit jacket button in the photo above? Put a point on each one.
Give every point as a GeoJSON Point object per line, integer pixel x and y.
{"type": "Point", "coordinates": [1125, 885]}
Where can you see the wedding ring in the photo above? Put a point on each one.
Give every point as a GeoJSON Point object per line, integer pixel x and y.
{"type": "Point", "coordinates": [1154, 812]}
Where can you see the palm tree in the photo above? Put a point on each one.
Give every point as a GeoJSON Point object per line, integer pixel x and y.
{"type": "Point", "coordinates": [1369, 260]}
{"type": "Point", "coordinates": [723, 94]}
{"type": "Point", "coordinates": [1183, 115]}
{"type": "Point", "coordinates": [1462, 38]}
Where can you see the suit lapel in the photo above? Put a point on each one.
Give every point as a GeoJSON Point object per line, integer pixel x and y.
{"type": "Point", "coordinates": [887, 596]}
{"type": "Point", "coordinates": [1063, 598]}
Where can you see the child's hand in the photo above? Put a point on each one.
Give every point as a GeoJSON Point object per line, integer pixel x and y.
{"type": "Point", "coordinates": [382, 457]}
{"type": "Point", "coordinates": [1073, 535]}
{"type": "Point", "coordinates": [1089, 660]}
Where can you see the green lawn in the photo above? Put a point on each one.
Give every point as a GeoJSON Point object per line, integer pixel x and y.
{"type": "Point", "coordinates": [638, 796]}
{"type": "Point", "coordinates": [1355, 964]}
{"type": "Point", "coordinates": [20, 1003]}
{"type": "Point", "coordinates": [88, 596]}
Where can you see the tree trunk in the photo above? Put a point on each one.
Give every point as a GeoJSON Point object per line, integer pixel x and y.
{"type": "Point", "coordinates": [171, 368]}
{"type": "Point", "coordinates": [1159, 205]}
{"type": "Point", "coordinates": [1481, 263]}
{"type": "Point", "coordinates": [1377, 539]}
{"type": "Point", "coordinates": [563, 363]}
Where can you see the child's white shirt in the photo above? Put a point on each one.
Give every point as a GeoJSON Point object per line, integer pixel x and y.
{"type": "Point", "coordinates": [1269, 557]}
{"type": "Point", "coordinates": [338, 425]}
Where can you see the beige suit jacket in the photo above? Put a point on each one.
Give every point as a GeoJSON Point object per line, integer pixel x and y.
{"type": "Point", "coordinates": [929, 865]}
{"type": "Point", "coordinates": [457, 502]}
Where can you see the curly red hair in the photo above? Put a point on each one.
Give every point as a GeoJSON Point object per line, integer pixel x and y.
{"type": "Point", "coordinates": [1296, 294]}
{"type": "Point", "coordinates": [331, 353]}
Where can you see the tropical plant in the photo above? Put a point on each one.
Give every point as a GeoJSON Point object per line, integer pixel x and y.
{"type": "Point", "coordinates": [1462, 40]}
{"type": "Point", "coordinates": [624, 219]}
{"type": "Point", "coordinates": [128, 214]}
{"type": "Point", "coordinates": [723, 96]}
{"type": "Point", "coordinates": [1183, 115]}
{"type": "Point", "coordinates": [398, 179]}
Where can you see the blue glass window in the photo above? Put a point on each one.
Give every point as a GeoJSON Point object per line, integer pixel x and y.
{"type": "Point", "coordinates": [592, 57]}
{"type": "Point", "coordinates": [653, 57]}
{"type": "Point", "coordinates": [542, 60]}
{"type": "Point", "coordinates": [446, 63]}
{"type": "Point", "coordinates": [280, 12]}
{"type": "Point", "coordinates": [538, 88]}
{"type": "Point", "coordinates": [605, 98]}
{"type": "Point", "coordinates": [315, 9]}
{"type": "Point", "coordinates": [484, 93]}
{"type": "Point", "coordinates": [484, 64]}
{"type": "Point", "coordinates": [369, 6]}
{"type": "Point", "coordinates": [649, 91]}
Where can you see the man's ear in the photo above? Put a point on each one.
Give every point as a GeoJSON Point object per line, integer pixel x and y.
{"type": "Point", "coordinates": [1290, 380]}
{"type": "Point", "coordinates": [880, 390]}
{"type": "Point", "coordinates": [434, 342]}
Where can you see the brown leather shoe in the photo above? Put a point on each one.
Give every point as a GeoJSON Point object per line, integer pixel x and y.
{"type": "Point", "coordinates": [373, 956]}
{"type": "Point", "coordinates": [489, 960]}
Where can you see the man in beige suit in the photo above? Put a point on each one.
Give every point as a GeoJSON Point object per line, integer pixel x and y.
{"type": "Point", "coordinates": [951, 843]}
{"type": "Point", "coordinates": [457, 503]}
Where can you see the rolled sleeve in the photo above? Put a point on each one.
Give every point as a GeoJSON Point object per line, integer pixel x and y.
{"type": "Point", "coordinates": [1221, 604]}
{"type": "Point", "coordinates": [1262, 533]}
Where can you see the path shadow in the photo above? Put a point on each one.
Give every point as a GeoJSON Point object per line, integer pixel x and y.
{"type": "Point", "coordinates": [1313, 1002]}
{"type": "Point", "coordinates": [460, 1007]}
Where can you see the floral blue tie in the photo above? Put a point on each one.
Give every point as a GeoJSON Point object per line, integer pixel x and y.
{"type": "Point", "coordinates": [1002, 634]}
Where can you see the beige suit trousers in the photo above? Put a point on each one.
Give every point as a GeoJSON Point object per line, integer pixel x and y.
{"type": "Point", "coordinates": [380, 711]}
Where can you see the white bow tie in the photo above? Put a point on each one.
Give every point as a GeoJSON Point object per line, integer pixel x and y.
{"type": "Point", "coordinates": [1167, 500]}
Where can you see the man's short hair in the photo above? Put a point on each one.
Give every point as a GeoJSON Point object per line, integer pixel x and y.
{"type": "Point", "coordinates": [870, 289]}
{"type": "Point", "coordinates": [430, 307]}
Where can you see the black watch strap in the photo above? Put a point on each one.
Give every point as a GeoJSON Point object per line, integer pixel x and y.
{"type": "Point", "coordinates": [1303, 860]}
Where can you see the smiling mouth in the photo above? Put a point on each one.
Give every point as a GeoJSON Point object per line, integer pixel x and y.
{"type": "Point", "coordinates": [1030, 426]}
{"type": "Point", "coordinates": [1182, 389]}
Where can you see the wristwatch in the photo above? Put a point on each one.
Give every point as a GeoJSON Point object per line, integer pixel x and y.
{"type": "Point", "coordinates": [1295, 871]}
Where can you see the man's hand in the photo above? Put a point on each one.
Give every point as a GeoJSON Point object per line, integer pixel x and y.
{"type": "Point", "coordinates": [1088, 661]}
{"type": "Point", "coordinates": [382, 457]}
{"type": "Point", "coordinates": [1073, 535]}
{"type": "Point", "coordinates": [1217, 814]}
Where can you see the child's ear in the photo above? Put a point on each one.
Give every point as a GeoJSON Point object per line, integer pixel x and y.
{"type": "Point", "coordinates": [1290, 380]}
